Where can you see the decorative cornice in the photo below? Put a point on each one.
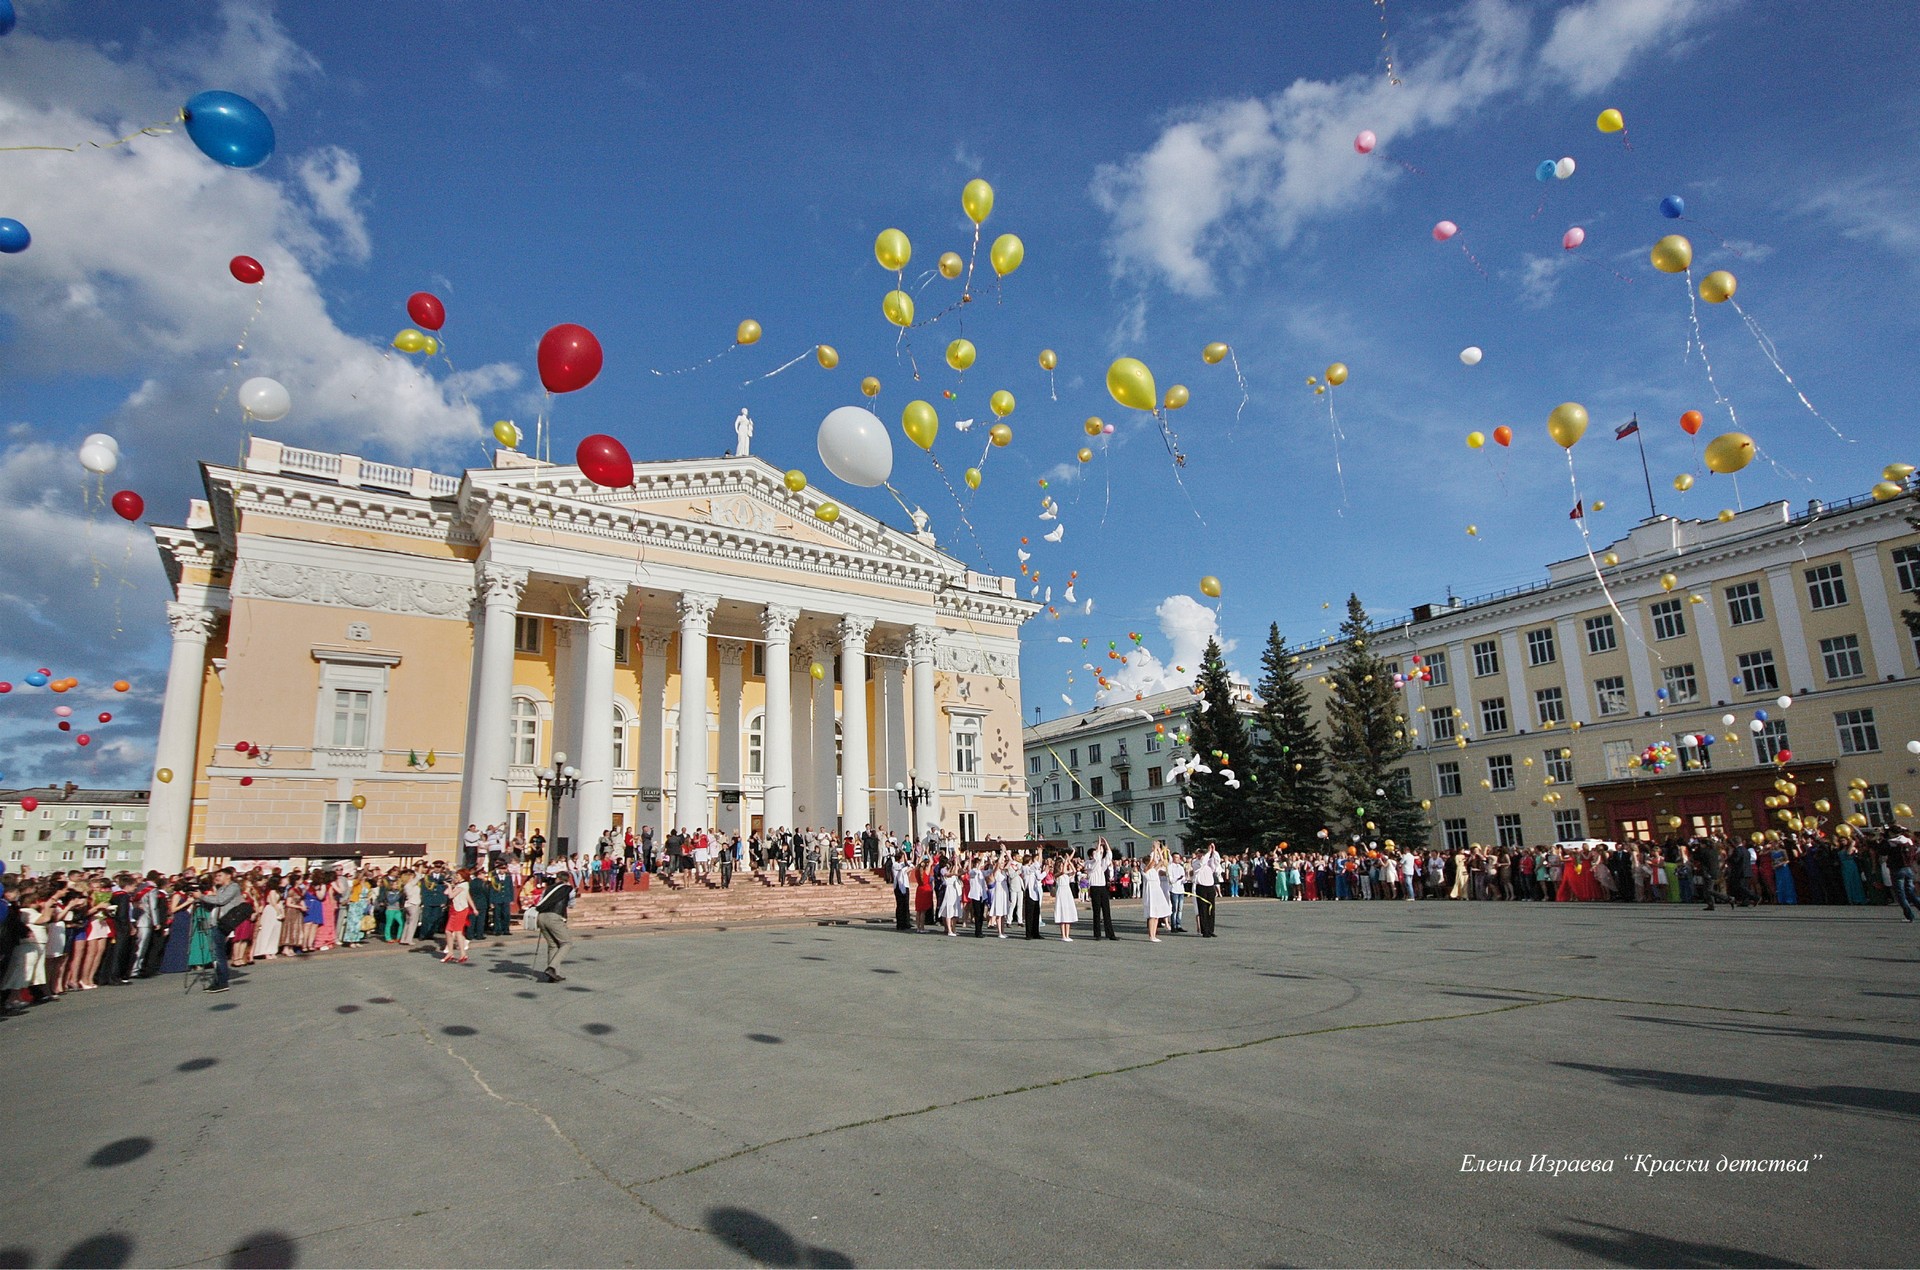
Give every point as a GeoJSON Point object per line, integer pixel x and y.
{"type": "Point", "coordinates": [604, 598]}
{"type": "Point", "coordinates": [346, 588]}
{"type": "Point", "coordinates": [190, 621]}
{"type": "Point", "coordinates": [731, 651]}
{"type": "Point", "coordinates": [695, 610]}
{"type": "Point", "coordinates": [776, 622]}
{"type": "Point", "coordinates": [358, 508]}
{"type": "Point", "coordinates": [958, 658]}
{"type": "Point", "coordinates": [853, 631]}
{"type": "Point", "coordinates": [500, 585]}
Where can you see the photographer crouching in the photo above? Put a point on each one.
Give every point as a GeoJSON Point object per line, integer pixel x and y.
{"type": "Point", "coordinates": [226, 907]}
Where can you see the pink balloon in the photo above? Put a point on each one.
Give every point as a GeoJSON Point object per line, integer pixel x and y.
{"type": "Point", "coordinates": [1573, 238]}
{"type": "Point", "coordinates": [1444, 230]}
{"type": "Point", "coordinates": [62, 711]}
{"type": "Point", "coordinates": [1366, 141]}
{"type": "Point", "coordinates": [1106, 429]}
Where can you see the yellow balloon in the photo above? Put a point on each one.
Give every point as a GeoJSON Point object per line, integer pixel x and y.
{"type": "Point", "coordinates": [507, 433]}
{"type": "Point", "coordinates": [960, 354]}
{"type": "Point", "coordinates": [1337, 374]}
{"type": "Point", "coordinates": [1683, 482]}
{"type": "Point", "coordinates": [1131, 384]}
{"type": "Point", "coordinates": [1214, 353]}
{"type": "Point", "coordinates": [164, 776]}
{"type": "Point", "coordinates": [796, 480]}
{"type": "Point", "coordinates": [951, 266]}
{"type": "Point", "coordinates": [1599, 506]}
{"type": "Point", "coordinates": [1726, 514]}
{"type": "Point", "coordinates": [827, 355]}
{"type": "Point", "coordinates": [1672, 254]}
{"type": "Point", "coordinates": [1000, 434]}
{"type": "Point", "coordinates": [1473, 531]}
{"type": "Point", "coordinates": [870, 386]}
{"type": "Point", "coordinates": [1007, 254]}
{"type": "Point", "coordinates": [1729, 452]}
{"type": "Point", "coordinates": [1896, 471]}
{"type": "Point", "coordinates": [1610, 120]}
{"type": "Point", "coordinates": [1718, 287]}
{"type": "Point", "coordinates": [359, 801]}
{"type": "Point", "coordinates": [1177, 396]}
{"type": "Point", "coordinates": [892, 250]}
{"type": "Point", "coordinates": [429, 346]}
{"type": "Point", "coordinates": [1610, 559]}
{"type": "Point", "coordinates": [1903, 811]}
{"type": "Point", "coordinates": [1210, 587]}
{"type": "Point", "coordinates": [1475, 440]}
{"type": "Point", "coordinates": [972, 478]}
{"type": "Point", "coordinates": [921, 423]}
{"type": "Point", "coordinates": [1886, 491]}
{"type": "Point", "coordinates": [1048, 359]}
{"type": "Point", "coordinates": [977, 200]}
{"type": "Point", "coordinates": [1085, 455]}
{"type": "Point", "coordinates": [410, 340]}
{"type": "Point", "coordinates": [1668, 581]}
{"type": "Point", "coordinates": [1001, 403]}
{"type": "Point", "coordinates": [1319, 390]}
{"type": "Point", "coordinates": [1093, 426]}
{"type": "Point", "coordinates": [817, 671]}
{"type": "Point", "coordinates": [898, 306]}
{"type": "Point", "coordinates": [1312, 380]}
{"type": "Point", "coordinates": [1568, 423]}
{"type": "Point", "coordinates": [748, 332]}
{"type": "Point", "coordinates": [828, 512]}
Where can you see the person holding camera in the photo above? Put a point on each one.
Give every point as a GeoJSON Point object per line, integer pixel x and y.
{"type": "Point", "coordinates": [223, 901]}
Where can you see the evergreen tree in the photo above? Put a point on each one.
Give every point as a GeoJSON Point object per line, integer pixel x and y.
{"type": "Point", "coordinates": [1289, 757]}
{"type": "Point", "coordinates": [1365, 742]}
{"type": "Point", "coordinates": [1221, 814]}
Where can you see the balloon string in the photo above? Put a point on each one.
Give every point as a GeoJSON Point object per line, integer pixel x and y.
{"type": "Point", "coordinates": [1245, 396]}
{"type": "Point", "coordinates": [958, 505]}
{"type": "Point", "coordinates": [684, 370]}
{"type": "Point", "coordinates": [1172, 440]}
{"type": "Point", "coordinates": [1106, 469]}
{"type": "Point", "coordinates": [1475, 259]}
{"type": "Point", "coordinates": [1609, 268]}
{"type": "Point", "coordinates": [240, 348]}
{"type": "Point", "coordinates": [925, 280]}
{"type": "Point", "coordinates": [1699, 340]}
{"type": "Point", "coordinates": [900, 345]}
{"type": "Point", "coordinates": [1333, 427]}
{"type": "Point", "coordinates": [782, 366]}
{"type": "Point", "coordinates": [1772, 354]}
{"type": "Point", "coordinates": [1587, 540]}
{"type": "Point", "coordinates": [966, 288]}
{"type": "Point", "coordinates": [161, 129]}
{"type": "Point", "coordinates": [1386, 49]}
{"type": "Point", "coordinates": [1715, 235]}
{"type": "Point", "coordinates": [1051, 394]}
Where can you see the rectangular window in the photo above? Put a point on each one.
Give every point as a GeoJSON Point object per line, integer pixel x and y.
{"type": "Point", "coordinates": [1567, 826]}
{"type": "Point", "coordinates": [1669, 618]}
{"type": "Point", "coordinates": [1617, 756]}
{"type": "Point", "coordinates": [1073, 756]}
{"type": "Point", "coordinates": [1601, 636]}
{"type": "Point", "coordinates": [1693, 758]}
{"type": "Point", "coordinates": [1156, 813]}
{"type": "Point", "coordinates": [1180, 810]}
{"type": "Point", "coordinates": [1680, 683]}
{"type": "Point", "coordinates": [1156, 777]}
{"type": "Point", "coordinates": [1493, 715]}
{"type": "Point", "coordinates": [1076, 822]}
{"type": "Point", "coordinates": [1758, 673]}
{"type": "Point", "coordinates": [1841, 654]}
{"type": "Point", "coordinates": [759, 661]}
{"type": "Point", "coordinates": [1099, 818]}
{"type": "Point", "coordinates": [1442, 724]}
{"type": "Point", "coordinates": [1549, 706]}
{"type": "Point", "coordinates": [99, 833]}
{"type": "Point", "coordinates": [1447, 779]}
{"type": "Point", "coordinates": [1437, 668]}
{"type": "Point", "coordinates": [966, 749]}
{"type": "Point", "coordinates": [1826, 586]}
{"type": "Point", "coordinates": [1500, 771]}
{"type": "Point", "coordinates": [126, 835]}
{"type": "Point", "coordinates": [1056, 791]}
{"type": "Point", "coordinates": [526, 633]}
{"type": "Point", "coordinates": [340, 823]}
{"type": "Point", "coordinates": [1610, 694]}
{"type": "Point", "coordinates": [1093, 752]}
{"type": "Point", "coordinates": [1455, 833]}
{"type": "Point", "coordinates": [1486, 658]}
{"type": "Point", "coordinates": [351, 711]}
{"type": "Point", "coordinates": [1033, 765]}
{"type": "Point", "coordinates": [1906, 569]}
{"type": "Point", "coordinates": [1877, 806]}
{"type": "Point", "coordinates": [1769, 741]}
{"type": "Point", "coordinates": [1153, 743]}
{"type": "Point", "coordinates": [1540, 649]}
{"type": "Point", "coordinates": [100, 813]}
{"type": "Point", "coordinates": [1097, 784]}
{"type": "Point", "coordinates": [1077, 789]}
{"type": "Point", "coordinates": [969, 828]}
{"type": "Point", "coordinates": [621, 643]}
{"type": "Point", "coordinates": [1507, 832]}
{"type": "Point", "coordinates": [1858, 734]}
{"type": "Point", "coordinates": [1560, 765]}
{"type": "Point", "coordinates": [1743, 603]}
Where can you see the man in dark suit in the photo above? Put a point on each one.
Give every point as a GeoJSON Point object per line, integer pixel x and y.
{"type": "Point", "coordinates": [1030, 893]}
{"type": "Point", "coordinates": [1712, 869]}
{"type": "Point", "coordinates": [902, 893]}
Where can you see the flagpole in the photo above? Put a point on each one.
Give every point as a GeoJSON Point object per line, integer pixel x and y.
{"type": "Point", "coordinates": [1640, 438]}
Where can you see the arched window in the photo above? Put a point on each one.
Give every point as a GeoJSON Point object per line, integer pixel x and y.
{"type": "Point", "coordinates": [525, 743]}
{"type": "Point", "coordinates": [620, 725]}
{"type": "Point", "coordinates": [757, 745]}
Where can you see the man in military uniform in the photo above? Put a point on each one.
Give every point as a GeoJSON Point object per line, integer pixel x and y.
{"type": "Point", "coordinates": [433, 901]}
{"type": "Point", "coordinates": [499, 914]}
{"type": "Point", "coordinates": [480, 892]}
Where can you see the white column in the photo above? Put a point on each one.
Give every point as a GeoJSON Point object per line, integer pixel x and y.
{"type": "Point", "coordinates": [1875, 606]}
{"type": "Point", "coordinates": [730, 651]}
{"type": "Point", "coordinates": [826, 771]}
{"type": "Point", "coordinates": [856, 768]}
{"type": "Point", "coordinates": [170, 806]}
{"type": "Point", "coordinates": [651, 770]}
{"type": "Point", "coordinates": [893, 721]}
{"type": "Point", "coordinates": [569, 690]}
{"type": "Point", "coordinates": [1713, 657]}
{"type": "Point", "coordinates": [1573, 657]}
{"type": "Point", "coordinates": [800, 685]}
{"type": "Point", "coordinates": [595, 798]}
{"type": "Point", "coordinates": [776, 731]}
{"type": "Point", "coordinates": [690, 769]}
{"type": "Point", "coordinates": [926, 746]}
{"type": "Point", "coordinates": [1793, 634]}
{"type": "Point", "coordinates": [1646, 699]}
{"type": "Point", "coordinates": [500, 590]}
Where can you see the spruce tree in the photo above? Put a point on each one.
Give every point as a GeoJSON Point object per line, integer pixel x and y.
{"type": "Point", "coordinates": [1365, 742]}
{"type": "Point", "coordinates": [1289, 758]}
{"type": "Point", "coordinates": [1221, 814]}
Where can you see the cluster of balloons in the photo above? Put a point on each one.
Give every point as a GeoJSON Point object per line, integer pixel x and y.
{"type": "Point", "coordinates": [1552, 169]}
{"type": "Point", "coordinates": [99, 454]}
{"type": "Point", "coordinates": [1656, 758]}
{"type": "Point", "coordinates": [1893, 481]}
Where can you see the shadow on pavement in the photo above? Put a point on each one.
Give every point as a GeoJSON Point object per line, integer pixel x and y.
{"type": "Point", "coordinates": [119, 1151]}
{"type": "Point", "coordinates": [1619, 1246]}
{"type": "Point", "coordinates": [1775, 1029]}
{"type": "Point", "coordinates": [768, 1242]}
{"type": "Point", "coordinates": [1898, 1102]}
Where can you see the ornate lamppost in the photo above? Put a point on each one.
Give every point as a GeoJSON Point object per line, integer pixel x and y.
{"type": "Point", "coordinates": [556, 782]}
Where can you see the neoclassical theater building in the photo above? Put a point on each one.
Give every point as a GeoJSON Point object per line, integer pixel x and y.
{"type": "Point", "coordinates": [367, 658]}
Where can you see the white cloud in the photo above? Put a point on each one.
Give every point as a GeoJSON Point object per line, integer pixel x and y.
{"type": "Point", "coordinates": [1868, 210]}
{"type": "Point", "coordinates": [1186, 625]}
{"type": "Point", "coordinates": [1592, 43]}
{"type": "Point", "coordinates": [1540, 278]}
{"type": "Point", "coordinates": [331, 177]}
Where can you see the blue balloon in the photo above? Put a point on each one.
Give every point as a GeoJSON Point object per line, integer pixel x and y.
{"type": "Point", "coordinates": [1661, 693]}
{"type": "Point", "coordinates": [1736, 681]}
{"type": "Point", "coordinates": [1545, 171]}
{"type": "Point", "coordinates": [1760, 715]}
{"type": "Point", "coordinates": [1673, 207]}
{"type": "Point", "coordinates": [6, 16]}
{"type": "Point", "coordinates": [9, 18]}
{"type": "Point", "coordinates": [229, 129]}
{"type": "Point", "coordinates": [37, 679]}
{"type": "Point", "coordinates": [13, 235]}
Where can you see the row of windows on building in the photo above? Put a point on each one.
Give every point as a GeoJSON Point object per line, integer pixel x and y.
{"type": "Point", "coordinates": [1569, 826]}
{"type": "Point", "coordinates": [1156, 815]}
{"type": "Point", "coordinates": [92, 858]}
{"type": "Point", "coordinates": [95, 814]}
{"type": "Point", "coordinates": [95, 834]}
{"type": "Point", "coordinates": [1096, 786]}
{"type": "Point", "coordinates": [1095, 751]}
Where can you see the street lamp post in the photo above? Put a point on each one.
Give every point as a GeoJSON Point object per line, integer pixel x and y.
{"type": "Point", "coordinates": [556, 782]}
{"type": "Point", "coordinates": [911, 794]}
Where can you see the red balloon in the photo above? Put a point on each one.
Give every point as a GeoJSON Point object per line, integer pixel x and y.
{"type": "Point", "coordinates": [1690, 422]}
{"type": "Point", "coordinates": [84, 739]}
{"type": "Point", "coordinates": [246, 780]}
{"type": "Point", "coordinates": [1503, 435]}
{"type": "Point", "coordinates": [29, 804]}
{"type": "Point", "coordinates": [246, 269]}
{"type": "Point", "coordinates": [605, 461]}
{"type": "Point", "coordinates": [65, 725]}
{"type": "Point", "coordinates": [105, 717]}
{"type": "Point", "coordinates": [129, 505]}
{"type": "Point", "coordinates": [5, 687]}
{"type": "Point", "coordinates": [426, 310]}
{"type": "Point", "coordinates": [569, 359]}
{"type": "Point", "coordinates": [241, 747]}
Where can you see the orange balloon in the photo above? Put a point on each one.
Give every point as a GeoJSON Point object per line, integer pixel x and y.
{"type": "Point", "coordinates": [1690, 422]}
{"type": "Point", "coordinates": [121, 685]}
{"type": "Point", "coordinates": [1503, 435]}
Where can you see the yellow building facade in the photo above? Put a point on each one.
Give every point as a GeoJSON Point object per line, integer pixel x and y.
{"type": "Point", "coordinates": [370, 656]}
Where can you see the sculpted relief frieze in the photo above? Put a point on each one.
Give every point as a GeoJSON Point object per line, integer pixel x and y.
{"type": "Point", "coordinates": [964, 660]}
{"type": "Point", "coordinates": [345, 588]}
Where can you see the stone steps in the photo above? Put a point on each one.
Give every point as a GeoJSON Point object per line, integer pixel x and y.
{"type": "Point", "coordinates": [751, 898]}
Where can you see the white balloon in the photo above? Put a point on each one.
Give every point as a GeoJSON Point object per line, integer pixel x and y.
{"type": "Point", "coordinates": [855, 447]}
{"type": "Point", "coordinates": [1784, 702]}
{"type": "Point", "coordinates": [1756, 727]}
{"type": "Point", "coordinates": [1726, 720]}
{"type": "Point", "coordinates": [1471, 355]}
{"type": "Point", "coordinates": [98, 459]}
{"type": "Point", "coordinates": [1913, 747]}
{"type": "Point", "coordinates": [1563, 169]}
{"type": "Point", "coordinates": [265, 399]}
{"type": "Point", "coordinates": [101, 438]}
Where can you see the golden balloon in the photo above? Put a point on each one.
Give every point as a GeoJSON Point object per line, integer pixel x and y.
{"type": "Point", "coordinates": [795, 479]}
{"type": "Point", "coordinates": [1177, 396]}
{"type": "Point", "coordinates": [1000, 434]}
{"type": "Point", "coordinates": [976, 200]}
{"type": "Point", "coordinates": [1131, 384]}
{"type": "Point", "coordinates": [1006, 254]}
{"type": "Point", "coordinates": [507, 433]}
{"type": "Point", "coordinates": [892, 250]}
{"type": "Point", "coordinates": [1718, 287]}
{"type": "Point", "coordinates": [1599, 505]}
{"type": "Point", "coordinates": [748, 332]}
{"type": "Point", "coordinates": [921, 423]}
{"type": "Point", "coordinates": [1567, 424]}
{"type": "Point", "coordinates": [827, 355]}
{"type": "Point", "coordinates": [1683, 482]}
{"type": "Point", "coordinates": [828, 512]}
{"type": "Point", "coordinates": [1337, 374]}
{"type": "Point", "coordinates": [960, 354]}
{"type": "Point", "coordinates": [1886, 491]}
{"type": "Point", "coordinates": [1475, 440]}
{"type": "Point", "coordinates": [817, 671]}
{"type": "Point", "coordinates": [410, 341]}
{"type": "Point", "coordinates": [1092, 427]}
{"type": "Point", "coordinates": [1896, 471]}
{"type": "Point", "coordinates": [1729, 452]}
{"type": "Point", "coordinates": [1210, 587]}
{"type": "Point", "coordinates": [359, 802]}
{"type": "Point", "coordinates": [1668, 581]}
{"type": "Point", "coordinates": [1085, 455]}
{"type": "Point", "coordinates": [870, 386]}
{"type": "Point", "coordinates": [898, 306]}
{"type": "Point", "coordinates": [1610, 559]}
{"type": "Point", "coordinates": [164, 776]}
{"type": "Point", "coordinates": [1672, 254]}
{"type": "Point", "coordinates": [1048, 359]}
{"type": "Point", "coordinates": [1001, 403]}
{"type": "Point", "coordinates": [951, 266]}
{"type": "Point", "coordinates": [1726, 514]}
{"type": "Point", "coordinates": [1214, 353]}
{"type": "Point", "coordinates": [972, 478]}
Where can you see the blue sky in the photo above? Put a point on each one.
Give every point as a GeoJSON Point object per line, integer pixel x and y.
{"type": "Point", "coordinates": [1179, 174]}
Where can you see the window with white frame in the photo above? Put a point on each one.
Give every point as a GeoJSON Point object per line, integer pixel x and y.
{"type": "Point", "coordinates": [1153, 743]}
{"type": "Point", "coordinates": [1093, 751]}
{"type": "Point", "coordinates": [1770, 740]}
{"type": "Point", "coordinates": [523, 722]}
{"type": "Point", "coordinates": [1877, 806]}
{"type": "Point", "coordinates": [1681, 683]}
{"type": "Point", "coordinates": [1857, 731]}
{"type": "Point", "coordinates": [1669, 618]}
{"type": "Point", "coordinates": [970, 828]}
{"type": "Point", "coordinates": [526, 633]}
{"type": "Point", "coordinates": [1156, 813]}
{"type": "Point", "coordinates": [1618, 756]}
{"type": "Point", "coordinates": [1486, 658]}
{"type": "Point", "coordinates": [1540, 649]}
{"type": "Point", "coordinates": [99, 833]}
{"type": "Point", "coordinates": [1610, 694]}
{"type": "Point", "coordinates": [1099, 818]}
{"type": "Point", "coordinates": [1442, 725]}
{"type": "Point", "coordinates": [1507, 832]}
{"type": "Point", "coordinates": [757, 747]}
{"type": "Point", "coordinates": [1033, 765]}
{"type": "Point", "coordinates": [1906, 569]}
{"type": "Point", "coordinates": [1437, 668]}
{"type": "Point", "coordinates": [619, 741]}
{"type": "Point", "coordinates": [1560, 765]}
{"type": "Point", "coordinates": [352, 712]}
{"type": "Point", "coordinates": [1743, 604]}
{"type": "Point", "coordinates": [1757, 671]}
{"type": "Point", "coordinates": [1826, 586]}
{"type": "Point", "coordinates": [1601, 635]}
{"type": "Point", "coordinates": [1446, 778]}
{"type": "Point", "coordinates": [1693, 758]}
{"type": "Point", "coordinates": [1076, 821]}
{"type": "Point", "coordinates": [1454, 831]}
{"type": "Point", "coordinates": [340, 822]}
{"type": "Point", "coordinates": [1073, 756]}
{"type": "Point", "coordinates": [966, 746]}
{"type": "Point", "coordinates": [96, 855]}
{"type": "Point", "coordinates": [1567, 826]}
{"type": "Point", "coordinates": [1180, 810]}
{"type": "Point", "coordinates": [1549, 705]}
{"type": "Point", "coordinates": [100, 813]}
{"type": "Point", "coordinates": [1841, 657]}
{"type": "Point", "coordinates": [1500, 771]}
{"type": "Point", "coordinates": [1493, 715]}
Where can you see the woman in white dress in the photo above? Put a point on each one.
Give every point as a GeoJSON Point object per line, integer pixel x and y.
{"type": "Point", "coordinates": [1001, 893]}
{"type": "Point", "coordinates": [27, 968]}
{"type": "Point", "coordinates": [1155, 899]}
{"type": "Point", "coordinates": [266, 931]}
{"type": "Point", "coordinates": [950, 897]}
{"type": "Point", "coordinates": [1065, 911]}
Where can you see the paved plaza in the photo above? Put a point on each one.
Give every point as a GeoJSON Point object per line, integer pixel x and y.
{"type": "Point", "coordinates": [1304, 1090]}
